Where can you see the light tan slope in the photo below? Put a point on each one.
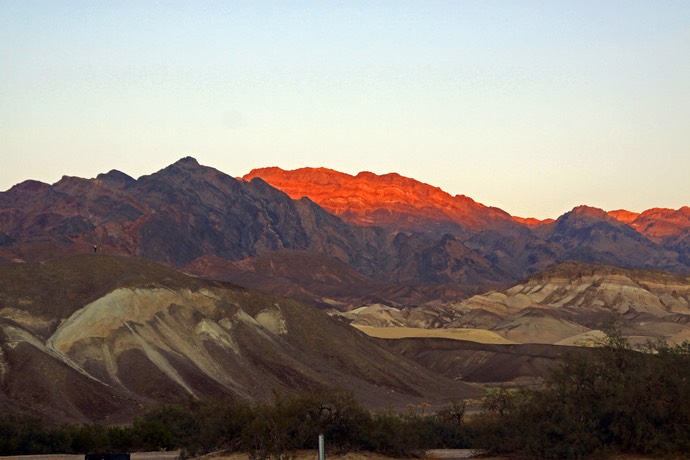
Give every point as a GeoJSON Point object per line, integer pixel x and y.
{"type": "Point", "coordinates": [472, 335]}
{"type": "Point", "coordinates": [565, 302]}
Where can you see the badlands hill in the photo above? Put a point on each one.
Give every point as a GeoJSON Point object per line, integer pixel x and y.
{"type": "Point", "coordinates": [99, 338]}
{"type": "Point", "coordinates": [567, 304]}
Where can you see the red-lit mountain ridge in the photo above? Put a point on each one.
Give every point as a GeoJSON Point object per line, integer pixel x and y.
{"type": "Point", "coordinates": [401, 203]}
{"type": "Point", "coordinates": [390, 200]}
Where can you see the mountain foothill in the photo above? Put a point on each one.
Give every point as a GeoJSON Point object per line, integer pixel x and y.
{"type": "Point", "coordinates": [117, 293]}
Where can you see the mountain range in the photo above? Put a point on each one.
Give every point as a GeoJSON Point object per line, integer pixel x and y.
{"type": "Point", "coordinates": [118, 293]}
{"type": "Point", "coordinates": [325, 236]}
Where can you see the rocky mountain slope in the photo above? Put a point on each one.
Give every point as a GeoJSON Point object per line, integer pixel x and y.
{"type": "Point", "coordinates": [95, 337]}
{"type": "Point", "coordinates": [515, 246]}
{"type": "Point", "coordinates": [661, 225]}
{"type": "Point", "coordinates": [188, 213]}
{"type": "Point", "coordinates": [404, 243]}
{"type": "Point", "coordinates": [390, 200]}
{"type": "Point", "coordinates": [176, 215]}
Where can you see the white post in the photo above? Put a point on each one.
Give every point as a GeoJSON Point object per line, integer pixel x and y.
{"type": "Point", "coordinates": [322, 450]}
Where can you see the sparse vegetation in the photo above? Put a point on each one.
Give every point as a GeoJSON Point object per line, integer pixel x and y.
{"type": "Point", "coordinates": [615, 400]}
{"type": "Point", "coordinates": [268, 430]}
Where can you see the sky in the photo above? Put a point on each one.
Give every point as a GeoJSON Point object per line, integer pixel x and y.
{"type": "Point", "coordinates": [531, 106]}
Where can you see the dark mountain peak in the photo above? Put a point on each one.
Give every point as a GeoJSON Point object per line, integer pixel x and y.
{"type": "Point", "coordinates": [23, 191]}
{"type": "Point", "coordinates": [115, 177]}
{"type": "Point", "coordinates": [187, 162]}
{"type": "Point", "coordinates": [588, 217]}
{"type": "Point", "coordinates": [584, 217]}
{"type": "Point", "coordinates": [29, 186]}
{"type": "Point", "coordinates": [187, 173]}
{"type": "Point", "coordinates": [27, 190]}
{"type": "Point", "coordinates": [72, 183]}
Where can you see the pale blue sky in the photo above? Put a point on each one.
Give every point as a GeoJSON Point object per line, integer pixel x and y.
{"type": "Point", "coordinates": [531, 106]}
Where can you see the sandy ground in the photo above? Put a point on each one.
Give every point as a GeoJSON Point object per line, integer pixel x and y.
{"type": "Point", "coordinates": [455, 454]}
{"type": "Point", "coordinates": [312, 455]}
{"type": "Point", "coordinates": [304, 455]}
{"type": "Point", "coordinates": [473, 335]}
{"type": "Point", "coordinates": [450, 454]}
{"type": "Point", "coordinates": [136, 456]}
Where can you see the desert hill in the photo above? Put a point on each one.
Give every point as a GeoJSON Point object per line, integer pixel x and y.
{"type": "Point", "coordinates": [470, 361]}
{"type": "Point", "coordinates": [96, 337]}
{"type": "Point", "coordinates": [566, 304]}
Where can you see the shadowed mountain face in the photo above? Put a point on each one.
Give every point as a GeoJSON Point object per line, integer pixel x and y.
{"type": "Point", "coordinates": [176, 215]}
{"type": "Point", "coordinates": [96, 337]}
{"type": "Point", "coordinates": [591, 235]}
{"type": "Point", "coordinates": [426, 246]}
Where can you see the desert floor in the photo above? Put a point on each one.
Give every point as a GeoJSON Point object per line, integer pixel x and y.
{"type": "Point", "coordinates": [304, 455]}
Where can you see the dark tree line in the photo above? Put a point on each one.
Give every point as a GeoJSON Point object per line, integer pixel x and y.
{"type": "Point", "coordinates": [269, 430]}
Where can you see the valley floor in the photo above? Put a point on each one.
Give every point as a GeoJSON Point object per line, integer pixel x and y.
{"type": "Point", "coordinates": [174, 455]}
{"type": "Point", "coordinates": [304, 455]}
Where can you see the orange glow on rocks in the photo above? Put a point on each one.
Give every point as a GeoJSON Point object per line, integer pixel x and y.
{"type": "Point", "coordinates": [388, 200]}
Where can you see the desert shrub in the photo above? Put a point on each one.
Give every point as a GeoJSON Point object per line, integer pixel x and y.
{"type": "Point", "coordinates": [164, 428]}
{"type": "Point", "coordinates": [89, 438]}
{"type": "Point", "coordinates": [274, 429]}
{"type": "Point", "coordinates": [20, 435]}
{"type": "Point", "coordinates": [122, 438]}
{"type": "Point", "coordinates": [394, 434]}
{"type": "Point", "coordinates": [277, 429]}
{"type": "Point", "coordinates": [289, 423]}
{"type": "Point", "coordinates": [614, 399]}
{"type": "Point", "coordinates": [450, 429]}
{"type": "Point", "coordinates": [219, 423]}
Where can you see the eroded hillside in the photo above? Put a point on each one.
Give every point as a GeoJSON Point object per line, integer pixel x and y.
{"type": "Point", "coordinates": [566, 304]}
{"type": "Point", "coordinates": [96, 337]}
